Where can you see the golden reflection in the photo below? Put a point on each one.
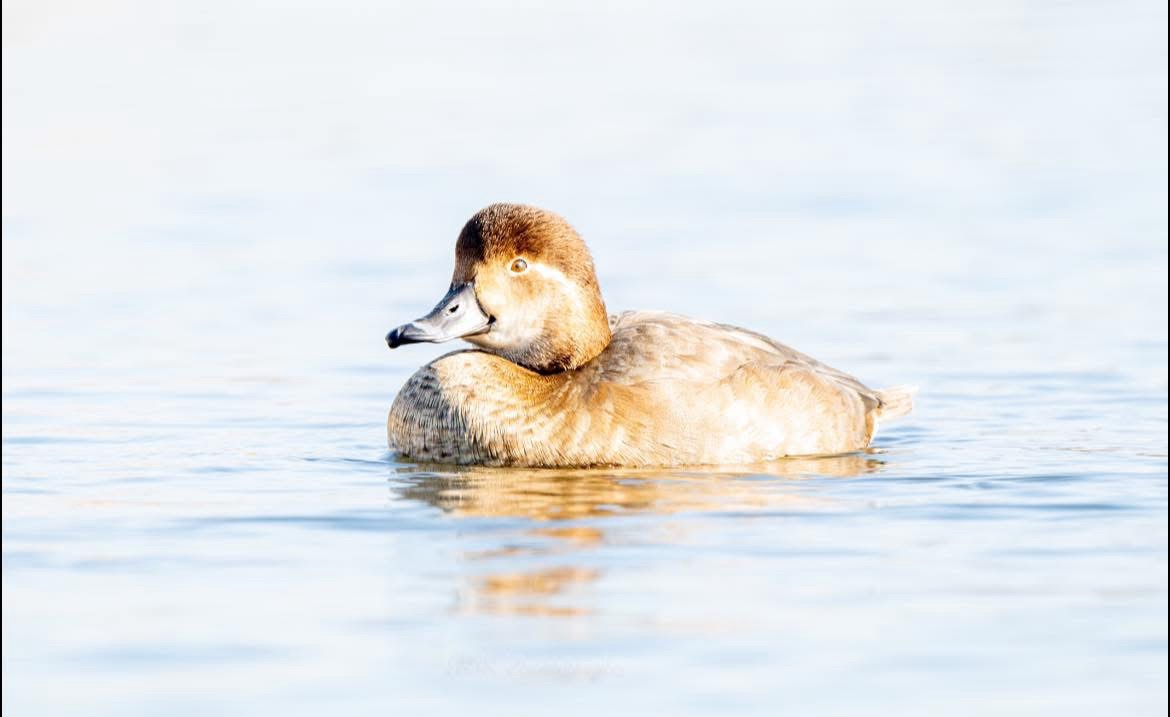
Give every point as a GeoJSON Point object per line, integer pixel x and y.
{"type": "Point", "coordinates": [557, 496]}
{"type": "Point", "coordinates": [548, 494]}
{"type": "Point", "coordinates": [527, 593]}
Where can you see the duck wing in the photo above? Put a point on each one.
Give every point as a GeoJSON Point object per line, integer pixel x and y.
{"type": "Point", "coordinates": [659, 346]}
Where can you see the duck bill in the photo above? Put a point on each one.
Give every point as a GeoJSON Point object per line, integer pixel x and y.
{"type": "Point", "coordinates": [456, 316]}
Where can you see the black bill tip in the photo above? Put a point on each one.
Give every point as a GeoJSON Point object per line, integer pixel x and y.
{"type": "Point", "coordinates": [394, 339]}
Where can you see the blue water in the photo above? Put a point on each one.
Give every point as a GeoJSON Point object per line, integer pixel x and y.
{"type": "Point", "coordinates": [214, 212]}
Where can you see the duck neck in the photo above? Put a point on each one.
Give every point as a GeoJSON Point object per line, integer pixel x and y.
{"type": "Point", "coordinates": [567, 346]}
{"type": "Point", "coordinates": [589, 340]}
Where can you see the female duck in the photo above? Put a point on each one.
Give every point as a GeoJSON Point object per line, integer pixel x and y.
{"type": "Point", "coordinates": [558, 382]}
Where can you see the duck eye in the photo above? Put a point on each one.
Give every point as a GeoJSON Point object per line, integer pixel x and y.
{"type": "Point", "coordinates": [519, 266]}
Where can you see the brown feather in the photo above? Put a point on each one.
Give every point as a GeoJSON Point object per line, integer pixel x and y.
{"type": "Point", "coordinates": [561, 384]}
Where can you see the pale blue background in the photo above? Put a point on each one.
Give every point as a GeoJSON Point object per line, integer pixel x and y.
{"type": "Point", "coordinates": [214, 211]}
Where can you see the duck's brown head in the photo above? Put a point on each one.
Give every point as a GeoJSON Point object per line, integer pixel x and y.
{"type": "Point", "coordinates": [523, 288]}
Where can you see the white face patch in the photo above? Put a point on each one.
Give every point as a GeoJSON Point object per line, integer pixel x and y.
{"type": "Point", "coordinates": [522, 325]}
{"type": "Point", "coordinates": [551, 272]}
{"type": "Point", "coordinates": [568, 289]}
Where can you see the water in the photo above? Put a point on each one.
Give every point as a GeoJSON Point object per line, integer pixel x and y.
{"type": "Point", "coordinates": [214, 212]}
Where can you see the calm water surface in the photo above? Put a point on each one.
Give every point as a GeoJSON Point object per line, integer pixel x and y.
{"type": "Point", "coordinates": [214, 213]}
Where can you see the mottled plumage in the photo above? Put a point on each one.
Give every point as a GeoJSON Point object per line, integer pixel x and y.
{"type": "Point", "coordinates": [558, 384]}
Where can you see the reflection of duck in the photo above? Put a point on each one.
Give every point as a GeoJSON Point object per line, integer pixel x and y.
{"type": "Point", "coordinates": [567, 494]}
{"type": "Point", "coordinates": [533, 593]}
{"type": "Point", "coordinates": [512, 587]}
{"type": "Point", "coordinates": [559, 383]}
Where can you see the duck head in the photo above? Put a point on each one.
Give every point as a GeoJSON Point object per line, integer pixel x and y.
{"type": "Point", "coordinates": [523, 288]}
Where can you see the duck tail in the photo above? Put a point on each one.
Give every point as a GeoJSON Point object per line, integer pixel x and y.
{"type": "Point", "coordinates": [895, 401]}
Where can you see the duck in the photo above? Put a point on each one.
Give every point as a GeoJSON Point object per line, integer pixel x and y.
{"type": "Point", "coordinates": [554, 381]}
